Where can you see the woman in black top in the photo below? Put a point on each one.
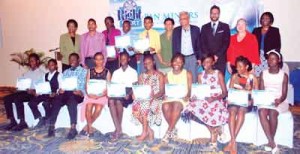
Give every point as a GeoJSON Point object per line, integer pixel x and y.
{"type": "Point", "coordinates": [268, 38]}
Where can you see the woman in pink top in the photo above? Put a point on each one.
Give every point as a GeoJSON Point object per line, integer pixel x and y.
{"type": "Point", "coordinates": [276, 81]}
{"type": "Point", "coordinates": [110, 33]}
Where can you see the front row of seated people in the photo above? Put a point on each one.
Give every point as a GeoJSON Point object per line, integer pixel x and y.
{"type": "Point", "coordinates": [213, 111]}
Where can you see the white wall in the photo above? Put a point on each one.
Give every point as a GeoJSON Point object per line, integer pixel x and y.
{"type": "Point", "coordinates": [38, 23]}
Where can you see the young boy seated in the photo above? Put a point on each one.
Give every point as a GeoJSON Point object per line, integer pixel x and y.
{"type": "Point", "coordinates": [54, 78]}
{"type": "Point", "coordinates": [19, 97]}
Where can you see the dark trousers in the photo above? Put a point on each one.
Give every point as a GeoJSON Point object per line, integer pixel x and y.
{"type": "Point", "coordinates": [69, 99]}
{"type": "Point", "coordinates": [221, 65]}
{"type": "Point", "coordinates": [18, 98]}
{"type": "Point", "coordinates": [65, 67]}
{"type": "Point", "coordinates": [112, 65]}
{"type": "Point", "coordinates": [133, 62]}
{"type": "Point", "coordinates": [47, 104]}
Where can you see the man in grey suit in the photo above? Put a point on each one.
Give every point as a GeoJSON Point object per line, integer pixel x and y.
{"type": "Point", "coordinates": [215, 38]}
{"type": "Point", "coordinates": [186, 40]}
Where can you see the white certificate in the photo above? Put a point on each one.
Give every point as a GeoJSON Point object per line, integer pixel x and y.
{"type": "Point", "coordinates": [111, 51]}
{"type": "Point", "coordinates": [200, 91]}
{"type": "Point", "coordinates": [96, 87]}
{"type": "Point", "coordinates": [42, 88]}
{"type": "Point", "coordinates": [175, 91]}
{"type": "Point", "coordinates": [23, 84]}
{"type": "Point", "coordinates": [142, 92]}
{"type": "Point", "coordinates": [238, 97]}
{"type": "Point", "coordinates": [116, 90]}
{"type": "Point", "coordinates": [141, 45]}
{"type": "Point", "coordinates": [69, 84]}
{"type": "Point", "coordinates": [263, 98]}
{"type": "Point", "coordinates": [122, 41]}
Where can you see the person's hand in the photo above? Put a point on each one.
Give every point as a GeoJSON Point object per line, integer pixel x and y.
{"type": "Point", "coordinates": [126, 97]}
{"type": "Point", "coordinates": [152, 50]}
{"type": "Point", "coordinates": [131, 48]}
{"type": "Point", "coordinates": [199, 62]}
{"type": "Point", "coordinates": [52, 95]}
{"type": "Point", "coordinates": [31, 91]}
{"type": "Point", "coordinates": [168, 64]}
{"type": "Point", "coordinates": [229, 69]}
{"type": "Point", "coordinates": [209, 99]}
{"type": "Point", "coordinates": [59, 56]}
{"type": "Point", "coordinates": [78, 92]}
{"type": "Point", "coordinates": [216, 58]}
{"type": "Point", "coordinates": [92, 96]}
{"type": "Point", "coordinates": [277, 102]}
{"type": "Point", "coordinates": [193, 98]}
{"type": "Point", "coordinates": [61, 91]}
{"type": "Point", "coordinates": [186, 98]}
{"type": "Point", "coordinates": [117, 49]}
{"type": "Point", "coordinates": [104, 93]}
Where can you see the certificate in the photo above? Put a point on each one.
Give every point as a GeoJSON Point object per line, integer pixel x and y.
{"type": "Point", "coordinates": [142, 92]}
{"type": "Point", "coordinates": [175, 91]}
{"type": "Point", "coordinates": [111, 51]}
{"type": "Point", "coordinates": [23, 84]}
{"type": "Point", "coordinates": [200, 91]}
{"type": "Point", "coordinates": [42, 88]}
{"type": "Point", "coordinates": [96, 87]}
{"type": "Point", "coordinates": [69, 84]}
{"type": "Point", "coordinates": [122, 41]}
{"type": "Point", "coordinates": [116, 90]}
{"type": "Point", "coordinates": [141, 45]}
{"type": "Point", "coordinates": [263, 98]}
{"type": "Point", "coordinates": [238, 97]}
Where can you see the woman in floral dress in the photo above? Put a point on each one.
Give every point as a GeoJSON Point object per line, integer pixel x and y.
{"type": "Point", "coordinates": [148, 112]}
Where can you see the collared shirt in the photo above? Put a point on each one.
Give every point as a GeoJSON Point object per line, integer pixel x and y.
{"type": "Point", "coordinates": [78, 72]}
{"type": "Point", "coordinates": [89, 45]}
{"type": "Point", "coordinates": [67, 47]}
{"type": "Point", "coordinates": [50, 76]}
{"type": "Point", "coordinates": [154, 38]}
{"type": "Point", "coordinates": [110, 37]}
{"type": "Point", "coordinates": [186, 42]}
{"type": "Point", "coordinates": [216, 26]}
{"type": "Point", "coordinates": [35, 76]}
{"type": "Point", "coordinates": [127, 77]}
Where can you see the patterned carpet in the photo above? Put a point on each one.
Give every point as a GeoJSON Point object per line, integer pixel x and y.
{"type": "Point", "coordinates": [34, 141]}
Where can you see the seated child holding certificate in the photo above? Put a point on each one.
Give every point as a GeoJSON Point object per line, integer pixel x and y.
{"type": "Point", "coordinates": [68, 97]}
{"type": "Point", "coordinates": [94, 103]}
{"type": "Point", "coordinates": [275, 80]}
{"type": "Point", "coordinates": [246, 81]}
{"type": "Point", "coordinates": [172, 107]}
{"type": "Point", "coordinates": [53, 77]}
{"type": "Point", "coordinates": [201, 109]}
{"type": "Point", "coordinates": [148, 112]}
{"type": "Point", "coordinates": [127, 76]}
{"type": "Point", "coordinates": [35, 73]}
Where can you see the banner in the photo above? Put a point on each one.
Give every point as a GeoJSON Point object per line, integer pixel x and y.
{"type": "Point", "coordinates": [231, 11]}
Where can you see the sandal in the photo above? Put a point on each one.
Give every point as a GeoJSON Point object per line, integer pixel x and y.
{"type": "Point", "coordinates": [166, 138]}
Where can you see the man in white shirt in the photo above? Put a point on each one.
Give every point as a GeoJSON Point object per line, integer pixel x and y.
{"type": "Point", "coordinates": [124, 75]}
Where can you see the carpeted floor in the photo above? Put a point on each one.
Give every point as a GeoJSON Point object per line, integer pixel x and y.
{"type": "Point", "coordinates": [34, 141]}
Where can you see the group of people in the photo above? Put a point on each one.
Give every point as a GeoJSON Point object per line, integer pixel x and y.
{"type": "Point", "coordinates": [174, 57]}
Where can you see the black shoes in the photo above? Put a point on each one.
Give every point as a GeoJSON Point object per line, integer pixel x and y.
{"type": "Point", "coordinates": [72, 134]}
{"type": "Point", "coordinates": [51, 131]}
{"type": "Point", "coordinates": [10, 126]}
{"type": "Point", "coordinates": [20, 126]}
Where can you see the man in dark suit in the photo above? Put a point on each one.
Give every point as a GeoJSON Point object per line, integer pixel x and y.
{"type": "Point", "coordinates": [186, 40]}
{"type": "Point", "coordinates": [215, 38]}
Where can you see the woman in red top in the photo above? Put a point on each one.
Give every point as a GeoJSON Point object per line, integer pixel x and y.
{"type": "Point", "coordinates": [242, 44]}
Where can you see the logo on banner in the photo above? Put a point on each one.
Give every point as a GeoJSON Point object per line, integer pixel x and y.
{"type": "Point", "coordinates": [130, 11]}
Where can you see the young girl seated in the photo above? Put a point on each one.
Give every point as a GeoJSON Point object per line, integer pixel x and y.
{"type": "Point", "coordinates": [212, 111]}
{"type": "Point", "coordinates": [148, 112]}
{"type": "Point", "coordinates": [54, 78]}
{"type": "Point", "coordinates": [172, 107]}
{"type": "Point", "coordinates": [275, 80]}
{"type": "Point", "coordinates": [242, 80]}
{"type": "Point", "coordinates": [124, 75]}
{"type": "Point", "coordinates": [93, 104]}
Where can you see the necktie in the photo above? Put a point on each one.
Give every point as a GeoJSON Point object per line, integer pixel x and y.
{"type": "Point", "coordinates": [147, 35]}
{"type": "Point", "coordinates": [214, 28]}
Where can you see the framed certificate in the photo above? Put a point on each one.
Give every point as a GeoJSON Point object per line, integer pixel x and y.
{"type": "Point", "coordinates": [111, 51]}
{"type": "Point", "coordinates": [23, 84]}
{"type": "Point", "coordinates": [141, 45]}
{"type": "Point", "coordinates": [116, 90]}
{"type": "Point", "coordinates": [263, 98]}
{"type": "Point", "coordinates": [42, 88]}
{"type": "Point", "coordinates": [175, 91]}
{"type": "Point", "coordinates": [69, 84]}
{"type": "Point", "coordinates": [238, 97]}
{"type": "Point", "coordinates": [200, 91]}
{"type": "Point", "coordinates": [96, 87]}
{"type": "Point", "coordinates": [142, 92]}
{"type": "Point", "coordinates": [123, 41]}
